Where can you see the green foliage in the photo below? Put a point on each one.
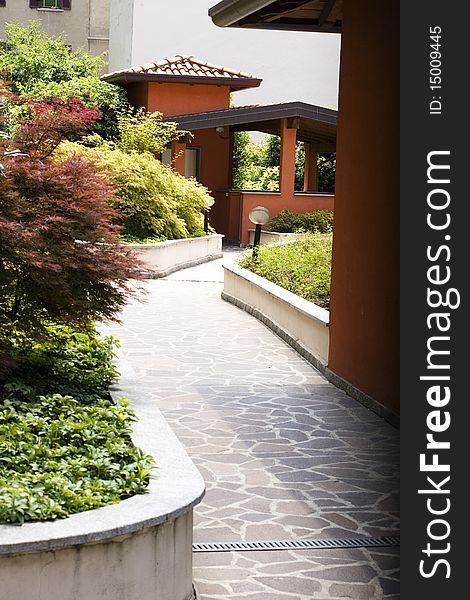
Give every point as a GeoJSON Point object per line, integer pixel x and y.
{"type": "Point", "coordinates": [256, 166]}
{"type": "Point", "coordinates": [326, 173]}
{"type": "Point", "coordinates": [140, 131]}
{"type": "Point", "coordinates": [78, 362]}
{"type": "Point", "coordinates": [156, 201]}
{"type": "Point", "coordinates": [45, 68]}
{"type": "Point", "coordinates": [252, 169]}
{"type": "Point", "coordinates": [111, 99]}
{"type": "Point", "coordinates": [289, 222]}
{"type": "Point", "coordinates": [60, 458]}
{"type": "Point", "coordinates": [64, 452]}
{"type": "Point", "coordinates": [302, 267]}
{"type": "Point", "coordinates": [29, 56]}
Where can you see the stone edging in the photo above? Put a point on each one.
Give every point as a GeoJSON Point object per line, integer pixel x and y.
{"type": "Point", "coordinates": [158, 273]}
{"type": "Point", "coordinates": [164, 258]}
{"type": "Point", "coordinates": [299, 304]}
{"type": "Point", "coordinates": [174, 489]}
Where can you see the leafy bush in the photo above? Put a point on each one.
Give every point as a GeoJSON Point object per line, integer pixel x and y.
{"type": "Point", "coordinates": [256, 165]}
{"type": "Point", "coordinates": [63, 451]}
{"type": "Point", "coordinates": [77, 363]}
{"type": "Point", "coordinates": [156, 201]}
{"type": "Point", "coordinates": [302, 267]}
{"type": "Point", "coordinates": [44, 67]}
{"type": "Point", "coordinates": [289, 222]}
{"type": "Point", "coordinates": [111, 100]}
{"type": "Point", "coordinates": [59, 457]}
{"type": "Point", "coordinates": [60, 259]}
{"type": "Point", "coordinates": [140, 131]}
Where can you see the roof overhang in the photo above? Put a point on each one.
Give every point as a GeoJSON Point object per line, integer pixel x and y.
{"type": "Point", "coordinates": [314, 124]}
{"type": "Point", "coordinates": [291, 15]}
{"type": "Point", "coordinates": [124, 78]}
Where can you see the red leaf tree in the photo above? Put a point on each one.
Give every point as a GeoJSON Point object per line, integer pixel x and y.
{"type": "Point", "coordinates": [60, 258]}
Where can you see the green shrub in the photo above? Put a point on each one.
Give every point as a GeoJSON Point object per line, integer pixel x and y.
{"type": "Point", "coordinates": [64, 446]}
{"type": "Point", "coordinates": [302, 267]}
{"type": "Point", "coordinates": [156, 201]}
{"type": "Point", "coordinates": [141, 131]}
{"type": "Point", "coordinates": [43, 67]}
{"type": "Point", "coordinates": [289, 222]}
{"type": "Point", "coordinates": [59, 457]}
{"type": "Point", "coordinates": [65, 361]}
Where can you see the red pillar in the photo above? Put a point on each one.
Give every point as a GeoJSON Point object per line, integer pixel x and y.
{"type": "Point", "coordinates": [287, 166]}
{"type": "Point", "coordinates": [310, 169]}
{"type": "Point", "coordinates": [364, 310]}
{"type": "Point", "coordinates": [178, 156]}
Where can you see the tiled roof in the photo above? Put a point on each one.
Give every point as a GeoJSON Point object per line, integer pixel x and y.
{"type": "Point", "coordinates": [185, 66]}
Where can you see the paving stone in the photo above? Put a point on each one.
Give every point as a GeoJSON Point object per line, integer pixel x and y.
{"type": "Point", "coordinates": [283, 452]}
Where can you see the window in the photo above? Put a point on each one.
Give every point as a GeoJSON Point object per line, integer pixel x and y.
{"type": "Point", "coordinates": [3, 3]}
{"type": "Point", "coordinates": [59, 4]}
{"type": "Point", "coordinates": [192, 165]}
{"type": "Point", "coordinates": [50, 4]}
{"type": "Point", "coordinates": [192, 161]}
{"type": "Point", "coordinates": [166, 157]}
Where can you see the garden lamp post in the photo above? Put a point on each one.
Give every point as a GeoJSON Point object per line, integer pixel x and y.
{"type": "Point", "coordinates": [210, 203]}
{"type": "Point", "coordinates": [259, 216]}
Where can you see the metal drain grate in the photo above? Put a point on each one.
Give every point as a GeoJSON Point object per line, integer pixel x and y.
{"type": "Point", "coordinates": [297, 544]}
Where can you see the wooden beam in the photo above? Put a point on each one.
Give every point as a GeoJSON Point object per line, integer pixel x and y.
{"type": "Point", "coordinates": [326, 12]}
{"type": "Point", "coordinates": [293, 122]}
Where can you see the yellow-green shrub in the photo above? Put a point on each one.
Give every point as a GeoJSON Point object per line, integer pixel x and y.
{"type": "Point", "coordinates": [156, 201]}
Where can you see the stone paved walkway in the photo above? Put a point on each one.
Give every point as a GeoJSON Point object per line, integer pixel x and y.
{"type": "Point", "coordinates": [285, 455]}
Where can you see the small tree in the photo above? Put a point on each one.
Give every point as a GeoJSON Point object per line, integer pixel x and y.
{"type": "Point", "coordinates": [44, 67]}
{"type": "Point", "coordinates": [60, 259]}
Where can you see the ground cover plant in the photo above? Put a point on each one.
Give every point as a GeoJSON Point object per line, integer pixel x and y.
{"type": "Point", "coordinates": [64, 446]}
{"type": "Point", "coordinates": [290, 222]}
{"type": "Point", "coordinates": [302, 267]}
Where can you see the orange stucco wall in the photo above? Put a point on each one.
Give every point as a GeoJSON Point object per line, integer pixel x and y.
{"type": "Point", "coordinates": [185, 98]}
{"type": "Point", "coordinates": [298, 203]}
{"type": "Point", "coordinates": [364, 312]}
{"type": "Point", "coordinates": [215, 158]}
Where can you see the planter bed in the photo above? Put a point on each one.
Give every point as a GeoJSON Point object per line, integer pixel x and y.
{"type": "Point", "coordinates": [302, 324]}
{"type": "Point", "coordinates": [164, 258]}
{"type": "Point", "coordinates": [138, 549]}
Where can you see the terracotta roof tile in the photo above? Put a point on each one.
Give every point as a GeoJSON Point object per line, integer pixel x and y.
{"type": "Point", "coordinates": [185, 66]}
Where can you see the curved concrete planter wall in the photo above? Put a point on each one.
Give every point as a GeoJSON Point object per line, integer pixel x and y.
{"type": "Point", "coordinates": [300, 323]}
{"type": "Point", "coordinates": [166, 257]}
{"type": "Point", "coordinates": [139, 549]}
{"type": "Point", "coordinates": [275, 237]}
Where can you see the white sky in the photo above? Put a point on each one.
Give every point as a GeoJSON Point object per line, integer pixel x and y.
{"type": "Point", "coordinates": [293, 66]}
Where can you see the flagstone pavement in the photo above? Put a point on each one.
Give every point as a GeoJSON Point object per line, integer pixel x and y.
{"type": "Point", "coordinates": [285, 455]}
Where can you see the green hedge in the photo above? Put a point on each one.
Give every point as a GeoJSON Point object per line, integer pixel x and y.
{"type": "Point", "coordinates": [302, 267]}
{"type": "Point", "coordinates": [289, 222]}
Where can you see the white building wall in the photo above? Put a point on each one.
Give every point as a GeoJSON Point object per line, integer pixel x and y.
{"type": "Point", "coordinates": [121, 37]}
{"type": "Point", "coordinates": [85, 26]}
{"type": "Point", "coordinates": [293, 65]}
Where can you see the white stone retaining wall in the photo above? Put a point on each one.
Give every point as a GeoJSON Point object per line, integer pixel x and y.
{"type": "Point", "coordinates": [138, 549]}
{"type": "Point", "coordinates": [275, 237]}
{"type": "Point", "coordinates": [304, 325]}
{"type": "Point", "coordinates": [166, 257]}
